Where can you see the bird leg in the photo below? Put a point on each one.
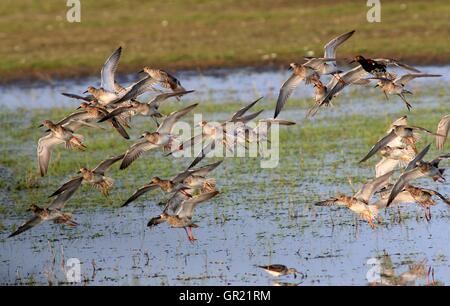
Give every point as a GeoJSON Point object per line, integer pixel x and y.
{"type": "Point", "coordinates": [428, 213]}
{"type": "Point", "coordinates": [191, 236]}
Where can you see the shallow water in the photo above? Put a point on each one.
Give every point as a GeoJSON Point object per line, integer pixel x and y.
{"type": "Point", "coordinates": [262, 216]}
{"type": "Point", "coordinates": [215, 85]}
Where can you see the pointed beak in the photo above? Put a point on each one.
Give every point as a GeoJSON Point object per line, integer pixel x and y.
{"type": "Point", "coordinates": [352, 61]}
{"type": "Point", "coordinates": [376, 86]}
{"type": "Point", "coordinates": [79, 107]}
{"type": "Point", "coordinates": [295, 275]}
{"type": "Point", "coordinates": [290, 68]}
{"type": "Point", "coordinates": [85, 92]}
{"type": "Point", "coordinates": [40, 125]}
{"type": "Point", "coordinates": [141, 71]}
{"type": "Point", "coordinates": [142, 136]}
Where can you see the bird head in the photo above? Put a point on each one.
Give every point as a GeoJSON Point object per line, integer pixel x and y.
{"type": "Point", "coordinates": [90, 89]}
{"type": "Point", "coordinates": [292, 66]}
{"type": "Point", "coordinates": [293, 271]}
{"type": "Point", "coordinates": [357, 58]}
{"type": "Point", "coordinates": [33, 208]}
{"type": "Point", "coordinates": [83, 105]}
{"type": "Point", "coordinates": [46, 123]}
{"type": "Point", "coordinates": [146, 69]}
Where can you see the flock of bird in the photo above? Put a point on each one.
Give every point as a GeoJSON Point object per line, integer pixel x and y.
{"type": "Point", "coordinates": [116, 105]}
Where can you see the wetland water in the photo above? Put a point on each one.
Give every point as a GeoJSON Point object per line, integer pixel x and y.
{"type": "Point", "coordinates": [262, 216]}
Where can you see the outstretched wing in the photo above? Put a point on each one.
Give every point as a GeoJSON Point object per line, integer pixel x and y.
{"type": "Point", "coordinates": [331, 46]}
{"type": "Point", "coordinates": [379, 145]}
{"type": "Point", "coordinates": [73, 184]}
{"type": "Point", "coordinates": [419, 157]}
{"type": "Point", "coordinates": [243, 110]}
{"type": "Point", "coordinates": [61, 199]}
{"type": "Point", "coordinates": [367, 191]}
{"type": "Point", "coordinates": [401, 183]}
{"type": "Point", "coordinates": [139, 192]}
{"type": "Point", "coordinates": [442, 131]}
{"type": "Point", "coordinates": [330, 202]}
{"type": "Point", "coordinates": [187, 207]}
{"type": "Point", "coordinates": [138, 89]}
{"type": "Point", "coordinates": [156, 101]}
{"type": "Point", "coordinates": [109, 70]}
{"type": "Point", "coordinates": [35, 220]}
{"type": "Point", "coordinates": [168, 123]}
{"type": "Point", "coordinates": [104, 165]}
{"type": "Point", "coordinates": [44, 151]}
{"type": "Point", "coordinates": [135, 151]}
{"type": "Point", "coordinates": [285, 92]}
{"type": "Point", "coordinates": [392, 62]}
{"type": "Point", "coordinates": [404, 79]}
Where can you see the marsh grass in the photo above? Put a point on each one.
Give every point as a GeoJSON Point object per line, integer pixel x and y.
{"type": "Point", "coordinates": [324, 150]}
{"type": "Point", "coordinates": [200, 34]}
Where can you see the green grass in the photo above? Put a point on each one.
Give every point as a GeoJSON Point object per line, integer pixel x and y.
{"type": "Point", "coordinates": [320, 150]}
{"type": "Point", "coordinates": [37, 41]}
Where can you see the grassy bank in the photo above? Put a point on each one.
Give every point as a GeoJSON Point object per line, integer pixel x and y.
{"type": "Point", "coordinates": [38, 42]}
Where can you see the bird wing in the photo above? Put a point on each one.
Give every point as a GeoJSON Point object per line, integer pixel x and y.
{"type": "Point", "coordinates": [402, 181]}
{"type": "Point", "coordinates": [247, 118]}
{"type": "Point", "coordinates": [88, 98]}
{"type": "Point", "coordinates": [61, 199]}
{"type": "Point", "coordinates": [168, 123]}
{"type": "Point", "coordinates": [412, 164]}
{"type": "Point", "coordinates": [116, 112]}
{"type": "Point", "coordinates": [202, 171]}
{"type": "Point", "coordinates": [435, 162]}
{"type": "Point", "coordinates": [70, 185]}
{"type": "Point", "coordinates": [379, 145]}
{"type": "Point", "coordinates": [316, 62]}
{"type": "Point", "coordinates": [392, 62]}
{"type": "Point", "coordinates": [211, 145]}
{"type": "Point", "coordinates": [79, 115]}
{"type": "Point", "coordinates": [104, 165]}
{"type": "Point", "coordinates": [119, 128]}
{"type": "Point", "coordinates": [187, 207]}
{"type": "Point", "coordinates": [44, 151]}
{"type": "Point", "coordinates": [135, 151]}
{"type": "Point", "coordinates": [109, 70]}
{"type": "Point", "coordinates": [285, 92]}
{"type": "Point", "coordinates": [155, 221]}
{"type": "Point", "coordinates": [442, 131]}
{"type": "Point", "coordinates": [404, 79]}
{"type": "Point", "coordinates": [330, 202]}
{"type": "Point", "coordinates": [139, 192]}
{"type": "Point", "coordinates": [434, 192]}
{"type": "Point", "coordinates": [385, 165]}
{"type": "Point", "coordinates": [331, 46]}
{"type": "Point", "coordinates": [136, 90]}
{"type": "Point", "coordinates": [367, 191]}
{"type": "Point", "coordinates": [189, 143]}
{"type": "Point", "coordinates": [243, 110]}
{"type": "Point", "coordinates": [35, 220]}
{"type": "Point", "coordinates": [156, 101]}
{"type": "Point", "coordinates": [340, 81]}
{"type": "Point", "coordinates": [353, 75]}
